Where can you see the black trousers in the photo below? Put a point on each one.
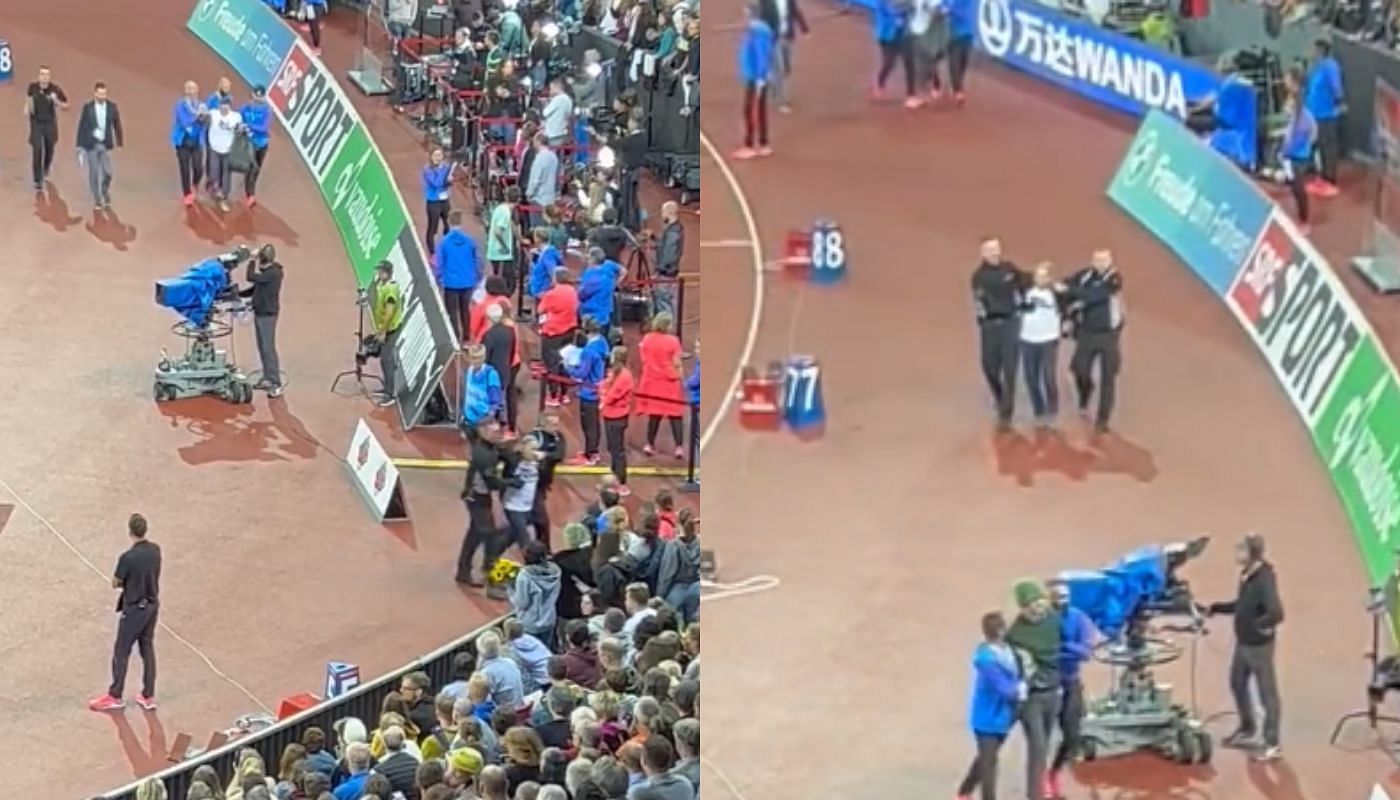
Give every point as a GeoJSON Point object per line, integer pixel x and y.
{"type": "Point", "coordinates": [1071, 723]}
{"type": "Point", "coordinates": [588, 420]}
{"type": "Point", "coordinates": [755, 115]}
{"type": "Point", "coordinates": [250, 179]}
{"type": "Point", "coordinates": [136, 628]}
{"type": "Point", "coordinates": [481, 534]}
{"type": "Point", "coordinates": [1298, 186]}
{"type": "Point", "coordinates": [459, 310]}
{"type": "Point", "coordinates": [616, 430]}
{"type": "Point", "coordinates": [505, 269]}
{"type": "Point", "coordinates": [983, 770]}
{"type": "Point", "coordinates": [959, 53]}
{"type": "Point", "coordinates": [553, 364]}
{"type": "Point", "coordinates": [1102, 348]}
{"type": "Point", "coordinates": [43, 140]}
{"type": "Point", "coordinates": [902, 51]}
{"type": "Point", "coordinates": [1329, 147]}
{"type": "Point", "coordinates": [437, 221]}
{"type": "Point", "coordinates": [315, 25]}
{"type": "Point", "coordinates": [1038, 716]}
{"type": "Point", "coordinates": [512, 397]}
{"type": "Point", "coordinates": [191, 160]}
{"type": "Point", "coordinates": [539, 515]}
{"type": "Point", "coordinates": [654, 427]}
{"type": "Point", "coordinates": [1001, 348]}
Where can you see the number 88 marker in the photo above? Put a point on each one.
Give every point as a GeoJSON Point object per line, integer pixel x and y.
{"type": "Point", "coordinates": [828, 253]}
{"type": "Point", "coordinates": [804, 410]}
{"type": "Point", "coordinates": [7, 62]}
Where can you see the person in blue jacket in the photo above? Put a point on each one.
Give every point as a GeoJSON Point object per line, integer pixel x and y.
{"type": "Point", "coordinates": [997, 688]}
{"type": "Point", "coordinates": [755, 65]}
{"type": "Point", "coordinates": [1324, 98]}
{"type": "Point", "coordinates": [547, 260]}
{"type": "Point", "coordinates": [458, 266]}
{"type": "Point", "coordinates": [257, 118]}
{"type": "Point", "coordinates": [187, 137]}
{"type": "Point", "coordinates": [596, 287]}
{"type": "Point", "coordinates": [1077, 637]}
{"type": "Point", "coordinates": [437, 193]}
{"type": "Point", "coordinates": [588, 373]}
{"type": "Point", "coordinates": [891, 19]}
{"type": "Point", "coordinates": [962, 24]}
{"type": "Point", "coordinates": [1299, 140]}
{"type": "Point", "coordinates": [692, 391]}
{"type": "Point", "coordinates": [482, 395]}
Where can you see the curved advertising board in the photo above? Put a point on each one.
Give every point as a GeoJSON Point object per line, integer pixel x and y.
{"type": "Point", "coordinates": [354, 179]}
{"type": "Point", "coordinates": [1321, 348]}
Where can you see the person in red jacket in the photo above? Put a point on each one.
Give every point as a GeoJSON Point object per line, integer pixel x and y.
{"type": "Point", "coordinates": [558, 321]}
{"type": "Point", "coordinates": [659, 394]}
{"type": "Point", "coordinates": [616, 402]}
{"type": "Point", "coordinates": [496, 292]}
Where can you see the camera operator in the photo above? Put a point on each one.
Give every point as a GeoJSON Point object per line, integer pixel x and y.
{"type": "Point", "coordinates": [1258, 612]}
{"type": "Point", "coordinates": [386, 312]}
{"type": "Point", "coordinates": [265, 275]}
{"type": "Point", "coordinates": [610, 237]}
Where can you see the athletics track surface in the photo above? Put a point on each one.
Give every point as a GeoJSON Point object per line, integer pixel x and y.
{"type": "Point", "coordinates": [262, 594]}
{"type": "Point", "coordinates": [910, 518]}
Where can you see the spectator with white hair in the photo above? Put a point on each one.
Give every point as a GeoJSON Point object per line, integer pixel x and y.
{"type": "Point", "coordinates": [578, 778]}
{"type": "Point", "coordinates": [552, 792]}
{"type": "Point", "coordinates": [492, 784]}
{"type": "Point", "coordinates": [503, 674]}
{"type": "Point", "coordinates": [398, 765]}
{"type": "Point", "coordinates": [687, 733]}
{"type": "Point", "coordinates": [357, 761]}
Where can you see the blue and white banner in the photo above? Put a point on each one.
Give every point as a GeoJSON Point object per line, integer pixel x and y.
{"type": "Point", "coordinates": [1106, 67]}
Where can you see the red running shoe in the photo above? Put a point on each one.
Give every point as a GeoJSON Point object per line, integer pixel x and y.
{"type": "Point", "coordinates": [765, 151]}
{"type": "Point", "coordinates": [582, 460]}
{"type": "Point", "coordinates": [680, 453]}
{"type": "Point", "coordinates": [106, 703]}
{"type": "Point", "coordinates": [960, 98]}
{"type": "Point", "coordinates": [624, 491]}
{"type": "Point", "coordinates": [146, 703]}
{"type": "Point", "coordinates": [188, 200]}
{"type": "Point", "coordinates": [250, 201]}
{"type": "Point", "coordinates": [915, 102]}
{"type": "Point", "coordinates": [1052, 785]}
{"type": "Point", "coordinates": [648, 450]}
{"type": "Point", "coordinates": [744, 154]}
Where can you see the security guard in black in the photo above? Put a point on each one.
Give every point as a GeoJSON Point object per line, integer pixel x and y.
{"type": "Point", "coordinates": [998, 289]}
{"type": "Point", "coordinates": [1096, 309]}
{"type": "Point", "coordinates": [43, 100]}
{"type": "Point", "coordinates": [138, 577]}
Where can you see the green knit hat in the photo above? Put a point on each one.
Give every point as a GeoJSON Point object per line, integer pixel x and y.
{"type": "Point", "coordinates": [1028, 591]}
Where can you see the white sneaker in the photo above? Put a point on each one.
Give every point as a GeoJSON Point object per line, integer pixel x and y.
{"type": "Point", "coordinates": [1272, 753]}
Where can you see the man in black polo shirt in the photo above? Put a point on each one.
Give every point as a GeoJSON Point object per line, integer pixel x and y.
{"type": "Point", "coordinates": [42, 105]}
{"type": "Point", "coordinates": [138, 577]}
{"type": "Point", "coordinates": [998, 289]}
{"type": "Point", "coordinates": [265, 275]}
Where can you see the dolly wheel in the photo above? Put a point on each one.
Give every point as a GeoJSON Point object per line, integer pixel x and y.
{"type": "Point", "coordinates": [1204, 747]}
{"type": "Point", "coordinates": [1088, 749]}
{"type": "Point", "coordinates": [1187, 751]}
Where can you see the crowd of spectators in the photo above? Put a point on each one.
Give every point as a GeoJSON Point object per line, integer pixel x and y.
{"type": "Point", "coordinates": [594, 695]}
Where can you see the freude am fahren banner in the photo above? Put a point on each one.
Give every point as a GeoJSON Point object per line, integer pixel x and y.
{"type": "Point", "coordinates": [1321, 348]}
{"type": "Point", "coordinates": [353, 177]}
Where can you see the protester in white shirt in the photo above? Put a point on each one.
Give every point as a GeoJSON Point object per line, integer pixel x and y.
{"type": "Point", "coordinates": [1040, 343]}
{"type": "Point", "coordinates": [224, 125]}
{"type": "Point", "coordinates": [928, 25]}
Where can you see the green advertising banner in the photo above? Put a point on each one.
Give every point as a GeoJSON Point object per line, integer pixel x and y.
{"type": "Point", "coordinates": [1358, 436]}
{"type": "Point", "coordinates": [356, 188]}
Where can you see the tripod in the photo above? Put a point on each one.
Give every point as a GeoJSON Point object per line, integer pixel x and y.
{"type": "Point", "coordinates": [360, 356]}
{"type": "Point", "coordinates": [1375, 691]}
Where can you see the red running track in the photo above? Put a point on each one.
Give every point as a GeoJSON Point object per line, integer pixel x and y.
{"type": "Point", "coordinates": [910, 518]}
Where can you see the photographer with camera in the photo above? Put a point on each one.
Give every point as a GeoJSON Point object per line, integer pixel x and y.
{"type": "Point", "coordinates": [386, 312]}
{"type": "Point", "coordinates": [265, 276]}
{"type": "Point", "coordinates": [1258, 611]}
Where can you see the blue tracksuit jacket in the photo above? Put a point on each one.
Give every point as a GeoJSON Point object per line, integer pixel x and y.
{"type": "Point", "coordinates": [258, 117]}
{"type": "Point", "coordinates": [595, 292]}
{"type": "Point", "coordinates": [481, 394]}
{"type": "Point", "coordinates": [756, 52]}
{"type": "Point", "coordinates": [436, 182]}
{"type": "Point", "coordinates": [590, 369]}
{"type": "Point", "coordinates": [994, 692]}
{"type": "Point", "coordinates": [1323, 94]}
{"type": "Point", "coordinates": [458, 267]}
{"type": "Point", "coordinates": [542, 271]}
{"type": "Point", "coordinates": [187, 128]}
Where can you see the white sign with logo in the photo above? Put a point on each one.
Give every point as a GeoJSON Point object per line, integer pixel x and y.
{"type": "Point", "coordinates": [375, 475]}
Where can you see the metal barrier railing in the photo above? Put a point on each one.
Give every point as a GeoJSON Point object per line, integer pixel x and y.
{"type": "Point", "coordinates": [362, 702]}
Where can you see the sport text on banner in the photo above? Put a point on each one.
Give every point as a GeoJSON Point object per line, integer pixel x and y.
{"type": "Point", "coordinates": [1191, 198]}
{"type": "Point", "coordinates": [1305, 324]}
{"type": "Point", "coordinates": [353, 177]}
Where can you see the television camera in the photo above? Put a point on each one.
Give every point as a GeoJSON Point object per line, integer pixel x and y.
{"type": "Point", "coordinates": [205, 297]}
{"type": "Point", "coordinates": [1123, 599]}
